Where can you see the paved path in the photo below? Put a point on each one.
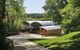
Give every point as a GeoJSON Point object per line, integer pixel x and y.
{"type": "Point", "coordinates": [30, 36]}
{"type": "Point", "coordinates": [27, 45]}
{"type": "Point", "coordinates": [21, 43]}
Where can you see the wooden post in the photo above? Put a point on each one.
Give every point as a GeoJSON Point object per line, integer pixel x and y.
{"type": "Point", "coordinates": [41, 32]}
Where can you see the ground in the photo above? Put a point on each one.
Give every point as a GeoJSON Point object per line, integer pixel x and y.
{"type": "Point", "coordinates": [21, 42]}
{"type": "Point", "coordinates": [69, 41]}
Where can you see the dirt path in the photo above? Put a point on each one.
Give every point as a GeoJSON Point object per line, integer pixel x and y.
{"type": "Point", "coordinates": [21, 42]}
{"type": "Point", "coordinates": [27, 45]}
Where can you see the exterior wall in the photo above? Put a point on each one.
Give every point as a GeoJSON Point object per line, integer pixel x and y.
{"type": "Point", "coordinates": [42, 32]}
{"type": "Point", "coordinates": [54, 32]}
{"type": "Point", "coordinates": [51, 32]}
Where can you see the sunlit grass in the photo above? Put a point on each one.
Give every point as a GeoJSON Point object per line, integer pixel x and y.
{"type": "Point", "coordinates": [62, 42]}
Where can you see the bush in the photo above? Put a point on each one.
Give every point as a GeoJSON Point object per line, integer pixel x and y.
{"type": "Point", "coordinates": [7, 45]}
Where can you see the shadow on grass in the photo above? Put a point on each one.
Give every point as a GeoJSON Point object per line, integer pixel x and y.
{"type": "Point", "coordinates": [75, 37]}
{"type": "Point", "coordinates": [73, 45]}
{"type": "Point", "coordinates": [35, 39]}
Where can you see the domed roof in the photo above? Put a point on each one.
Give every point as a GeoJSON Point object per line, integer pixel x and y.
{"type": "Point", "coordinates": [44, 23]}
{"type": "Point", "coordinates": [51, 27]}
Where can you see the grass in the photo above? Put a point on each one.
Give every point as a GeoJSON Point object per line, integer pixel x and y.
{"type": "Point", "coordinates": [66, 42]}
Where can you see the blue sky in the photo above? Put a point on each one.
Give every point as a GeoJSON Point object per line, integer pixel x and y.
{"type": "Point", "coordinates": [34, 6]}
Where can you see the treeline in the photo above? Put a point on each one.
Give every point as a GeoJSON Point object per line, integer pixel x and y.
{"type": "Point", "coordinates": [36, 15]}
{"type": "Point", "coordinates": [65, 13]}
{"type": "Point", "coordinates": [11, 16]}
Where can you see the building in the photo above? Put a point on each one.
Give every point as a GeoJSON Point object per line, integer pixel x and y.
{"type": "Point", "coordinates": [27, 26]}
{"type": "Point", "coordinates": [36, 25]}
{"type": "Point", "coordinates": [50, 30]}
{"type": "Point", "coordinates": [33, 26]}
{"type": "Point", "coordinates": [43, 27]}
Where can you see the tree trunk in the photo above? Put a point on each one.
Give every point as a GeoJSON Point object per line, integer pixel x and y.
{"type": "Point", "coordinates": [2, 25]}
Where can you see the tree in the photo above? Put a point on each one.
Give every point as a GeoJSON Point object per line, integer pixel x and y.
{"type": "Point", "coordinates": [71, 15]}
{"type": "Point", "coordinates": [3, 44]}
{"type": "Point", "coordinates": [64, 12]}
{"type": "Point", "coordinates": [52, 9]}
{"type": "Point", "coordinates": [14, 14]}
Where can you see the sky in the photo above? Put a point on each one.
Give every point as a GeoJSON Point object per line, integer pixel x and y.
{"type": "Point", "coordinates": [34, 6]}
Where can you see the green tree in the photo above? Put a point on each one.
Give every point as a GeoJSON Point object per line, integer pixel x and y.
{"type": "Point", "coordinates": [64, 12]}
{"type": "Point", "coordinates": [12, 14]}
{"type": "Point", "coordinates": [52, 10]}
{"type": "Point", "coordinates": [3, 44]}
{"type": "Point", "coordinates": [71, 15]}
{"type": "Point", "coordinates": [15, 14]}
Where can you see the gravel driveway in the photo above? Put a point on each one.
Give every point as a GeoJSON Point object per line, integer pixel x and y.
{"type": "Point", "coordinates": [21, 42]}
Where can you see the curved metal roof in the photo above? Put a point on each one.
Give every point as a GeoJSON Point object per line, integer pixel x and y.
{"type": "Point", "coordinates": [30, 22]}
{"type": "Point", "coordinates": [44, 23]}
{"type": "Point", "coordinates": [50, 27]}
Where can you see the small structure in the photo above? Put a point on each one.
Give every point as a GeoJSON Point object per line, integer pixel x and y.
{"type": "Point", "coordinates": [27, 26]}
{"type": "Point", "coordinates": [46, 27]}
{"type": "Point", "coordinates": [43, 23]}
{"type": "Point", "coordinates": [50, 30]}
{"type": "Point", "coordinates": [36, 25]}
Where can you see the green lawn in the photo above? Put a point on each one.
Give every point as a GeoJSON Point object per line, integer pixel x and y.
{"type": "Point", "coordinates": [69, 41]}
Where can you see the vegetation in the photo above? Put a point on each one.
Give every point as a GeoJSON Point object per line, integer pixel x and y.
{"type": "Point", "coordinates": [11, 16]}
{"type": "Point", "coordinates": [15, 14]}
{"type": "Point", "coordinates": [67, 14]}
{"type": "Point", "coordinates": [3, 44]}
{"type": "Point", "coordinates": [52, 9]}
{"type": "Point", "coordinates": [64, 13]}
{"type": "Point", "coordinates": [36, 16]}
{"type": "Point", "coordinates": [71, 15]}
{"type": "Point", "coordinates": [69, 41]}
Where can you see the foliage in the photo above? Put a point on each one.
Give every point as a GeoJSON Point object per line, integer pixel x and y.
{"type": "Point", "coordinates": [14, 14]}
{"type": "Point", "coordinates": [64, 12]}
{"type": "Point", "coordinates": [11, 16]}
{"type": "Point", "coordinates": [3, 44]}
{"type": "Point", "coordinates": [71, 15]}
{"type": "Point", "coordinates": [35, 15]}
{"type": "Point", "coordinates": [52, 9]}
{"type": "Point", "coordinates": [69, 41]}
